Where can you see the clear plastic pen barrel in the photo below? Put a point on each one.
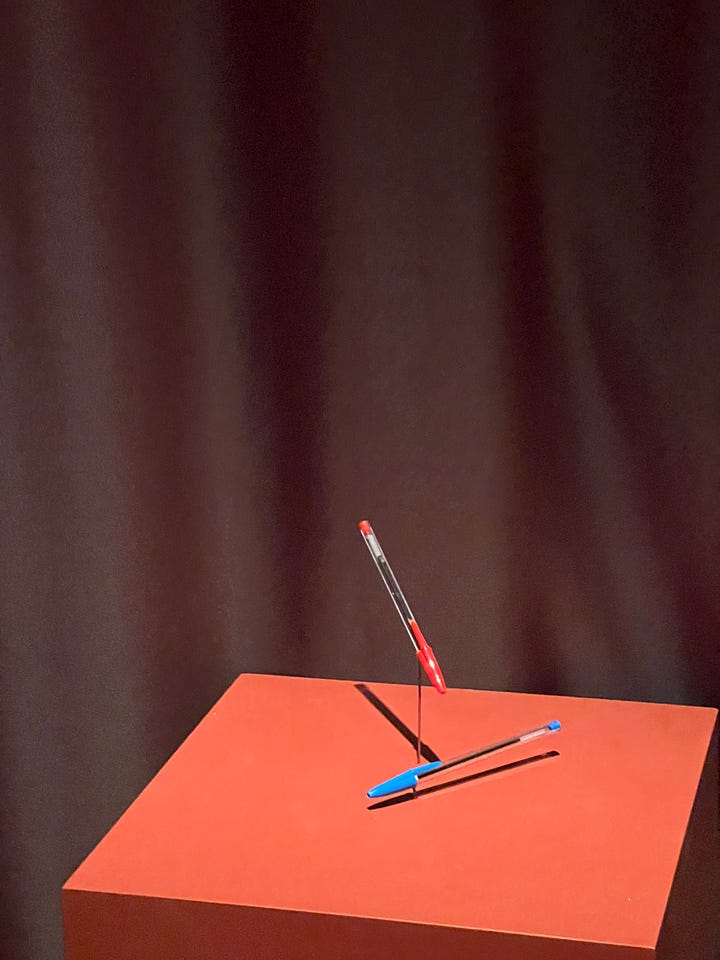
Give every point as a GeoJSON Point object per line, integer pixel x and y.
{"type": "Point", "coordinates": [539, 731]}
{"type": "Point", "coordinates": [393, 587]}
{"type": "Point", "coordinates": [551, 727]}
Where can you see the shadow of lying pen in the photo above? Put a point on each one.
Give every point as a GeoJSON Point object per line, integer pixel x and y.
{"type": "Point", "coordinates": [417, 794]}
{"type": "Point", "coordinates": [393, 718]}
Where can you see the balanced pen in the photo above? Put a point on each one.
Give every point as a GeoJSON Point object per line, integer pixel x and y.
{"type": "Point", "coordinates": [408, 779]}
{"type": "Point", "coordinates": [422, 648]}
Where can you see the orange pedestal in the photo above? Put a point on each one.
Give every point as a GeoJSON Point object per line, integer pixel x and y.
{"type": "Point", "coordinates": [256, 839]}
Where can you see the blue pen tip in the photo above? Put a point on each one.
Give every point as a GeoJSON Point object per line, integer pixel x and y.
{"type": "Point", "coordinates": [554, 725]}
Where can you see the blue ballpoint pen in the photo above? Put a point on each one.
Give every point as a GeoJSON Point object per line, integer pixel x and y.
{"type": "Point", "coordinates": [408, 779]}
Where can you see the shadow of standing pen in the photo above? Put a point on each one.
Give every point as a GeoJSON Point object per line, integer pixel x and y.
{"type": "Point", "coordinates": [392, 718]}
{"type": "Point", "coordinates": [417, 794]}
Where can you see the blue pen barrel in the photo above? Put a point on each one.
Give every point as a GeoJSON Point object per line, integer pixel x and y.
{"type": "Point", "coordinates": [409, 778]}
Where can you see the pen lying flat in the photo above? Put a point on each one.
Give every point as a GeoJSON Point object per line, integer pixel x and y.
{"type": "Point", "coordinates": [410, 778]}
{"type": "Point", "coordinates": [423, 649]}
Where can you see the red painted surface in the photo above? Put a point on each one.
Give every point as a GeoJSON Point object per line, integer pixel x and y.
{"type": "Point", "coordinates": [256, 839]}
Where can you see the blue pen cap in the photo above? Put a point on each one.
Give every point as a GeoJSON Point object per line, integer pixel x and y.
{"type": "Point", "coordinates": [554, 725]}
{"type": "Point", "coordinates": [403, 781]}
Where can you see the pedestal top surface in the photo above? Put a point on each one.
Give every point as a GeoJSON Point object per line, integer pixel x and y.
{"type": "Point", "coordinates": [265, 805]}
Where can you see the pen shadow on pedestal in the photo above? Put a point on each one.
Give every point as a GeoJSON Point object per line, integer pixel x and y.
{"type": "Point", "coordinates": [426, 752]}
{"type": "Point", "coordinates": [419, 794]}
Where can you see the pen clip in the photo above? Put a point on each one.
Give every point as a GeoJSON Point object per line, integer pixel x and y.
{"type": "Point", "coordinates": [428, 660]}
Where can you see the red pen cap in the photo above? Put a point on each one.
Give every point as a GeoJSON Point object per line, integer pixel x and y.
{"type": "Point", "coordinates": [428, 660]}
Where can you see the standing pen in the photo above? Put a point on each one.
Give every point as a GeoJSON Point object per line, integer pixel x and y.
{"type": "Point", "coordinates": [422, 648]}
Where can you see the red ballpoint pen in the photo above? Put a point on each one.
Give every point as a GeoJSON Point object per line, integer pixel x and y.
{"type": "Point", "coordinates": [422, 648]}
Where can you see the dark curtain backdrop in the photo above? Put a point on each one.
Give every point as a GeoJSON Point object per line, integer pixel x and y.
{"type": "Point", "coordinates": [270, 268]}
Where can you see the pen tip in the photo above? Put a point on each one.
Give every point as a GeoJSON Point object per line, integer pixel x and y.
{"type": "Point", "coordinates": [365, 527]}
